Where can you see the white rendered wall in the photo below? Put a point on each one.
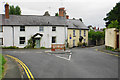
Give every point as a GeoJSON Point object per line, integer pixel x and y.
{"type": "Point", "coordinates": [7, 36]}
{"type": "Point", "coordinates": [45, 41]}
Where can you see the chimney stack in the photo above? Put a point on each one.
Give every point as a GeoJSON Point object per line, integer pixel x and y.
{"type": "Point", "coordinates": [7, 11]}
{"type": "Point", "coordinates": [62, 12]}
{"type": "Point", "coordinates": [67, 16]}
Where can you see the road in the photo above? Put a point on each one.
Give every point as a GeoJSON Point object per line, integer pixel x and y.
{"type": "Point", "coordinates": [84, 63]}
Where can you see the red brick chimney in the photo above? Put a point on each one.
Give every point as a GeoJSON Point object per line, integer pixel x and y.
{"type": "Point", "coordinates": [61, 12]}
{"type": "Point", "coordinates": [7, 11]}
{"type": "Point", "coordinates": [67, 16]}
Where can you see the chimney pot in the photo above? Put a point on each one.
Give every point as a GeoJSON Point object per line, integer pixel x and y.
{"type": "Point", "coordinates": [7, 11]}
{"type": "Point", "coordinates": [67, 16]}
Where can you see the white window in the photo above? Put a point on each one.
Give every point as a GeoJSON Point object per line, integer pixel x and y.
{"type": "Point", "coordinates": [84, 33]}
{"type": "Point", "coordinates": [22, 28]}
{"type": "Point", "coordinates": [22, 40]}
{"type": "Point", "coordinates": [53, 39]}
{"type": "Point", "coordinates": [41, 28]}
{"type": "Point", "coordinates": [74, 33]}
{"type": "Point", "coordinates": [53, 28]}
{"type": "Point", "coordinates": [1, 41]}
{"type": "Point", "coordinates": [1, 28]}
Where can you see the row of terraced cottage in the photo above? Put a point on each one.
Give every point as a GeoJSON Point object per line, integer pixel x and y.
{"type": "Point", "coordinates": [16, 30]}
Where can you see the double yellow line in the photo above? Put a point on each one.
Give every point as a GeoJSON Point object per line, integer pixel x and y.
{"type": "Point", "coordinates": [28, 72]}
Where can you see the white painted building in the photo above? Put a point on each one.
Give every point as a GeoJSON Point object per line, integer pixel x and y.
{"type": "Point", "coordinates": [18, 35]}
{"type": "Point", "coordinates": [16, 30]}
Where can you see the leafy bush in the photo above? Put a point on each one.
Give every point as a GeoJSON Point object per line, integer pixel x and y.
{"type": "Point", "coordinates": [10, 47]}
{"type": "Point", "coordinates": [29, 44]}
{"type": "Point", "coordinates": [43, 48]}
{"type": "Point", "coordinates": [80, 44]}
{"type": "Point", "coordinates": [84, 44]}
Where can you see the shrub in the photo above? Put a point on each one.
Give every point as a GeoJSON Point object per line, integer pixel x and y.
{"type": "Point", "coordinates": [80, 44]}
{"type": "Point", "coordinates": [84, 44]}
{"type": "Point", "coordinates": [29, 44]}
{"type": "Point", "coordinates": [43, 48]}
{"type": "Point", "coordinates": [10, 47]}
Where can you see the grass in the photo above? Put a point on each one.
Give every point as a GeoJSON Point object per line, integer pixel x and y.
{"type": "Point", "coordinates": [2, 62]}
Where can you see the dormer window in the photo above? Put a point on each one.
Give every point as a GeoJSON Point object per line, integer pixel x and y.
{"type": "Point", "coordinates": [22, 28]}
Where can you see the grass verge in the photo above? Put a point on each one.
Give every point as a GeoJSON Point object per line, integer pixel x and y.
{"type": "Point", "coordinates": [2, 62]}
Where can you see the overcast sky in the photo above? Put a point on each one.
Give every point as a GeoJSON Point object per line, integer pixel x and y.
{"type": "Point", "coordinates": [91, 11]}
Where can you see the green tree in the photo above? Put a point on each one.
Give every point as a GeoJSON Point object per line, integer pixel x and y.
{"type": "Point", "coordinates": [113, 15]}
{"type": "Point", "coordinates": [56, 14]}
{"type": "Point", "coordinates": [15, 10]}
{"type": "Point", "coordinates": [12, 10]}
{"type": "Point", "coordinates": [114, 24]}
{"type": "Point", "coordinates": [96, 36]}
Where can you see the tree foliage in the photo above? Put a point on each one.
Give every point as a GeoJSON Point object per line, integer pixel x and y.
{"type": "Point", "coordinates": [114, 24]}
{"type": "Point", "coordinates": [56, 14]}
{"type": "Point", "coordinates": [96, 36]}
{"type": "Point", "coordinates": [113, 15]}
{"type": "Point", "coordinates": [15, 10]}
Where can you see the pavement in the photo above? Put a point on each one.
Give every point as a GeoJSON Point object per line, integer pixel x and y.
{"type": "Point", "coordinates": [102, 48]}
{"type": "Point", "coordinates": [83, 63]}
{"type": "Point", "coordinates": [12, 70]}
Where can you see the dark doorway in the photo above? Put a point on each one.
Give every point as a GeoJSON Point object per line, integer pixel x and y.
{"type": "Point", "coordinates": [117, 41]}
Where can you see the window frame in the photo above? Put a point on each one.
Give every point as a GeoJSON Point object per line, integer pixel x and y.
{"type": "Point", "coordinates": [2, 41]}
{"type": "Point", "coordinates": [1, 28]}
{"type": "Point", "coordinates": [74, 33]}
{"type": "Point", "coordinates": [52, 39]}
{"type": "Point", "coordinates": [21, 40]}
{"type": "Point", "coordinates": [41, 28]}
{"type": "Point", "coordinates": [84, 33]}
{"type": "Point", "coordinates": [22, 29]}
{"type": "Point", "coordinates": [80, 32]}
{"type": "Point", "coordinates": [53, 28]}
{"type": "Point", "coordinates": [84, 40]}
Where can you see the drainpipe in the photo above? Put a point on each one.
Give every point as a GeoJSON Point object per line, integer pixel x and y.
{"type": "Point", "coordinates": [13, 34]}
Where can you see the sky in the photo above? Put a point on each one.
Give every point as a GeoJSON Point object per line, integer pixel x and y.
{"type": "Point", "coordinates": [92, 12]}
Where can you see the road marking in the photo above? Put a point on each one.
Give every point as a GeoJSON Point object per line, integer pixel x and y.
{"type": "Point", "coordinates": [28, 72]}
{"type": "Point", "coordinates": [69, 58]}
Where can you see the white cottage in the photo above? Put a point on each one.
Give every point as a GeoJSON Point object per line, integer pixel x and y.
{"type": "Point", "coordinates": [16, 30]}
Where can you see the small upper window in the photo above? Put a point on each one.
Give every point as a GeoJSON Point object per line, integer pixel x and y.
{"type": "Point", "coordinates": [22, 28]}
{"type": "Point", "coordinates": [1, 28]}
{"type": "Point", "coordinates": [41, 28]}
{"type": "Point", "coordinates": [1, 41]}
{"type": "Point", "coordinates": [84, 33]}
{"type": "Point", "coordinates": [22, 40]}
{"type": "Point", "coordinates": [73, 32]}
{"type": "Point", "coordinates": [53, 28]}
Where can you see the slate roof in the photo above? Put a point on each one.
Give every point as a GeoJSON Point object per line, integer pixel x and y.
{"type": "Point", "coordinates": [33, 20]}
{"type": "Point", "coordinates": [76, 24]}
